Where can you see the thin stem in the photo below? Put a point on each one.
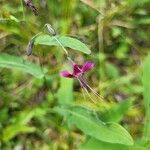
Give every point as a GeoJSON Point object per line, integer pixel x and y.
{"type": "Point", "coordinates": [36, 35]}
{"type": "Point", "coordinates": [62, 46]}
{"type": "Point", "coordinates": [66, 52]}
{"type": "Point", "coordinates": [30, 44]}
{"type": "Point", "coordinates": [53, 33]}
{"type": "Point", "coordinates": [21, 1]}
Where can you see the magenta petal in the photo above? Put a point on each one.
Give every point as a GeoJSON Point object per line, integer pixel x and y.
{"type": "Point", "coordinates": [87, 66]}
{"type": "Point", "coordinates": [77, 69]}
{"type": "Point", "coordinates": [66, 74]}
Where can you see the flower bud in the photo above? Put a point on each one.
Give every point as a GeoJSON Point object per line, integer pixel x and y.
{"type": "Point", "coordinates": [50, 30]}
{"type": "Point", "coordinates": [29, 47]}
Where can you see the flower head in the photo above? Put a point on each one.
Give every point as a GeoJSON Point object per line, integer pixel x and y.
{"type": "Point", "coordinates": [78, 70]}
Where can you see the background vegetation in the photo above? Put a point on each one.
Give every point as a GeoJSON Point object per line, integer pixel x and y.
{"type": "Point", "coordinates": [117, 33]}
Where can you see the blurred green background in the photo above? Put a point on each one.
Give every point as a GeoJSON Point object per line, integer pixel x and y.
{"type": "Point", "coordinates": [116, 31]}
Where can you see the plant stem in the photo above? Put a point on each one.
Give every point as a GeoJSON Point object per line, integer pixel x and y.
{"type": "Point", "coordinates": [21, 1]}
{"type": "Point", "coordinates": [146, 132]}
{"type": "Point", "coordinates": [62, 46]}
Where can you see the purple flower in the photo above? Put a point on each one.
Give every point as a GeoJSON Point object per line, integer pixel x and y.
{"type": "Point", "coordinates": [78, 70]}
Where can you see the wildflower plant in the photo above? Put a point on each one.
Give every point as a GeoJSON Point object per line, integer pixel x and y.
{"type": "Point", "coordinates": [78, 70]}
{"type": "Point", "coordinates": [78, 73]}
{"type": "Point", "coordinates": [102, 129]}
{"type": "Point", "coordinates": [80, 115]}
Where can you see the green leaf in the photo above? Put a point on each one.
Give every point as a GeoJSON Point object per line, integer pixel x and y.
{"type": "Point", "coordinates": [93, 144]}
{"type": "Point", "coordinates": [146, 83]}
{"type": "Point", "coordinates": [121, 51]}
{"type": "Point", "coordinates": [25, 116]}
{"type": "Point", "coordinates": [19, 125]}
{"type": "Point", "coordinates": [116, 112]}
{"type": "Point", "coordinates": [64, 40]}
{"type": "Point", "coordinates": [12, 130]}
{"type": "Point", "coordinates": [137, 3]}
{"type": "Point", "coordinates": [86, 121]}
{"type": "Point", "coordinates": [4, 115]}
{"type": "Point", "coordinates": [14, 62]}
{"type": "Point", "coordinates": [112, 71]}
{"type": "Point", "coordinates": [143, 21]}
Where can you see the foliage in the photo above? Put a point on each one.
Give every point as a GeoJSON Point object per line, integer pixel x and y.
{"type": "Point", "coordinates": [41, 110]}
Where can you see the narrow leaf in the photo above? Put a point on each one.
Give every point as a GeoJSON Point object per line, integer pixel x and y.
{"type": "Point", "coordinates": [12, 130]}
{"type": "Point", "coordinates": [14, 62]}
{"type": "Point", "coordinates": [19, 125]}
{"type": "Point", "coordinates": [146, 83]}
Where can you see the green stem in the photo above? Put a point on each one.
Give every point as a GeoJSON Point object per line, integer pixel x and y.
{"type": "Point", "coordinates": [146, 133]}
{"type": "Point", "coordinates": [52, 32]}
{"type": "Point", "coordinates": [62, 46]}
{"type": "Point", "coordinates": [21, 1]}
